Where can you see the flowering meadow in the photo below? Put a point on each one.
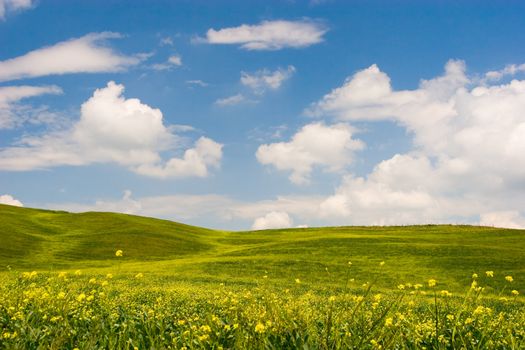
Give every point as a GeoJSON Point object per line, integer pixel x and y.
{"type": "Point", "coordinates": [75, 310]}
{"type": "Point", "coordinates": [113, 281]}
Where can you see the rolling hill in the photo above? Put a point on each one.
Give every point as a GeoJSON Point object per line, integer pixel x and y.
{"type": "Point", "coordinates": [34, 239]}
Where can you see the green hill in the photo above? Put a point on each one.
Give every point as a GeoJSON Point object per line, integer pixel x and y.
{"type": "Point", "coordinates": [33, 239]}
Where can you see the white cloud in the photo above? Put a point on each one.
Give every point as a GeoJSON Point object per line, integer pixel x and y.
{"type": "Point", "coordinates": [173, 61]}
{"type": "Point", "coordinates": [469, 145]}
{"type": "Point", "coordinates": [511, 69]}
{"type": "Point", "coordinates": [197, 83]}
{"type": "Point", "coordinates": [113, 129]}
{"type": "Point", "coordinates": [10, 110]}
{"type": "Point", "coordinates": [330, 147]}
{"type": "Point", "coordinates": [265, 79]}
{"type": "Point", "coordinates": [273, 220]}
{"type": "Point", "coordinates": [230, 101]}
{"type": "Point", "coordinates": [509, 219]}
{"type": "Point", "coordinates": [13, 5]}
{"type": "Point", "coordinates": [270, 35]}
{"type": "Point", "coordinates": [87, 54]}
{"type": "Point", "coordinates": [166, 41]}
{"type": "Point", "coordinates": [195, 162]}
{"type": "Point", "coordinates": [9, 200]}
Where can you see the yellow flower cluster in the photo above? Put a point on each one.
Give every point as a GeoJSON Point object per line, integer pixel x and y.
{"type": "Point", "coordinates": [66, 310]}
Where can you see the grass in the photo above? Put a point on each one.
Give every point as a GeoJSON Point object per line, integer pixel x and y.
{"type": "Point", "coordinates": [181, 286]}
{"type": "Point", "coordinates": [50, 240]}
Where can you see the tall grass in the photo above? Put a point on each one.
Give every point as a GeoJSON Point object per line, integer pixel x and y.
{"type": "Point", "coordinates": [73, 310]}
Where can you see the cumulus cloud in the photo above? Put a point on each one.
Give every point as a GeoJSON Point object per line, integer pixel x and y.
{"type": "Point", "coordinates": [87, 54]}
{"type": "Point", "coordinates": [10, 109]}
{"type": "Point", "coordinates": [270, 35]}
{"type": "Point", "coordinates": [230, 101]}
{"type": "Point", "coordinates": [195, 162]}
{"type": "Point", "coordinates": [509, 70]}
{"type": "Point", "coordinates": [469, 144]}
{"type": "Point", "coordinates": [330, 147]}
{"type": "Point", "coordinates": [113, 129]}
{"type": "Point", "coordinates": [9, 200]}
{"type": "Point", "coordinates": [13, 6]}
{"type": "Point", "coordinates": [265, 79]}
{"type": "Point", "coordinates": [509, 219]}
{"type": "Point", "coordinates": [273, 220]}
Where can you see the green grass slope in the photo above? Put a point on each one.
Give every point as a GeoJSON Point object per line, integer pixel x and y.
{"type": "Point", "coordinates": [45, 239]}
{"type": "Point", "coordinates": [32, 239]}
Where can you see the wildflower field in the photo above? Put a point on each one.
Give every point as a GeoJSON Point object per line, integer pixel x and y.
{"type": "Point", "coordinates": [112, 281]}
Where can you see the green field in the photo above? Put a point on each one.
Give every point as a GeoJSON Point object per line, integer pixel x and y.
{"type": "Point", "coordinates": [287, 281]}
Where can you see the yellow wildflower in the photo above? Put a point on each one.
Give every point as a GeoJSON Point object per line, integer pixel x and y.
{"type": "Point", "coordinates": [445, 293]}
{"type": "Point", "coordinates": [119, 253]}
{"type": "Point", "coordinates": [509, 278]}
{"type": "Point", "coordinates": [515, 292]}
{"type": "Point", "coordinates": [432, 282]}
{"type": "Point", "coordinates": [489, 273]}
{"type": "Point", "coordinates": [259, 328]}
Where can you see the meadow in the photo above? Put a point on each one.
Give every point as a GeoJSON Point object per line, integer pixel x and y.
{"type": "Point", "coordinates": [115, 281]}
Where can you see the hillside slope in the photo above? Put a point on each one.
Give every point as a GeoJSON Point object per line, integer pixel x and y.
{"type": "Point", "coordinates": [41, 239]}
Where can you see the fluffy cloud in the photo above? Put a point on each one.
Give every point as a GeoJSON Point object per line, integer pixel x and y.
{"type": "Point", "coordinates": [509, 70]}
{"type": "Point", "coordinates": [9, 200]}
{"type": "Point", "coordinates": [11, 95]}
{"type": "Point", "coordinates": [265, 79]}
{"type": "Point", "coordinates": [195, 162]}
{"type": "Point", "coordinates": [113, 129]}
{"type": "Point", "coordinates": [469, 145]}
{"type": "Point", "coordinates": [230, 101]}
{"type": "Point", "coordinates": [87, 54]}
{"type": "Point", "coordinates": [13, 5]}
{"type": "Point", "coordinates": [330, 147]}
{"type": "Point", "coordinates": [269, 35]}
{"type": "Point", "coordinates": [273, 220]}
{"type": "Point", "coordinates": [509, 219]}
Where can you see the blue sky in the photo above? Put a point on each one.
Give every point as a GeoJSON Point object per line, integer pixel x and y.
{"type": "Point", "coordinates": [261, 114]}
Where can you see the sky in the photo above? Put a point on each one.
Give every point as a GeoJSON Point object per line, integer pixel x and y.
{"type": "Point", "coordinates": [242, 115]}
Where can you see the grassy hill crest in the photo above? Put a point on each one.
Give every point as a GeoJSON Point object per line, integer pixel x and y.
{"type": "Point", "coordinates": [42, 239]}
